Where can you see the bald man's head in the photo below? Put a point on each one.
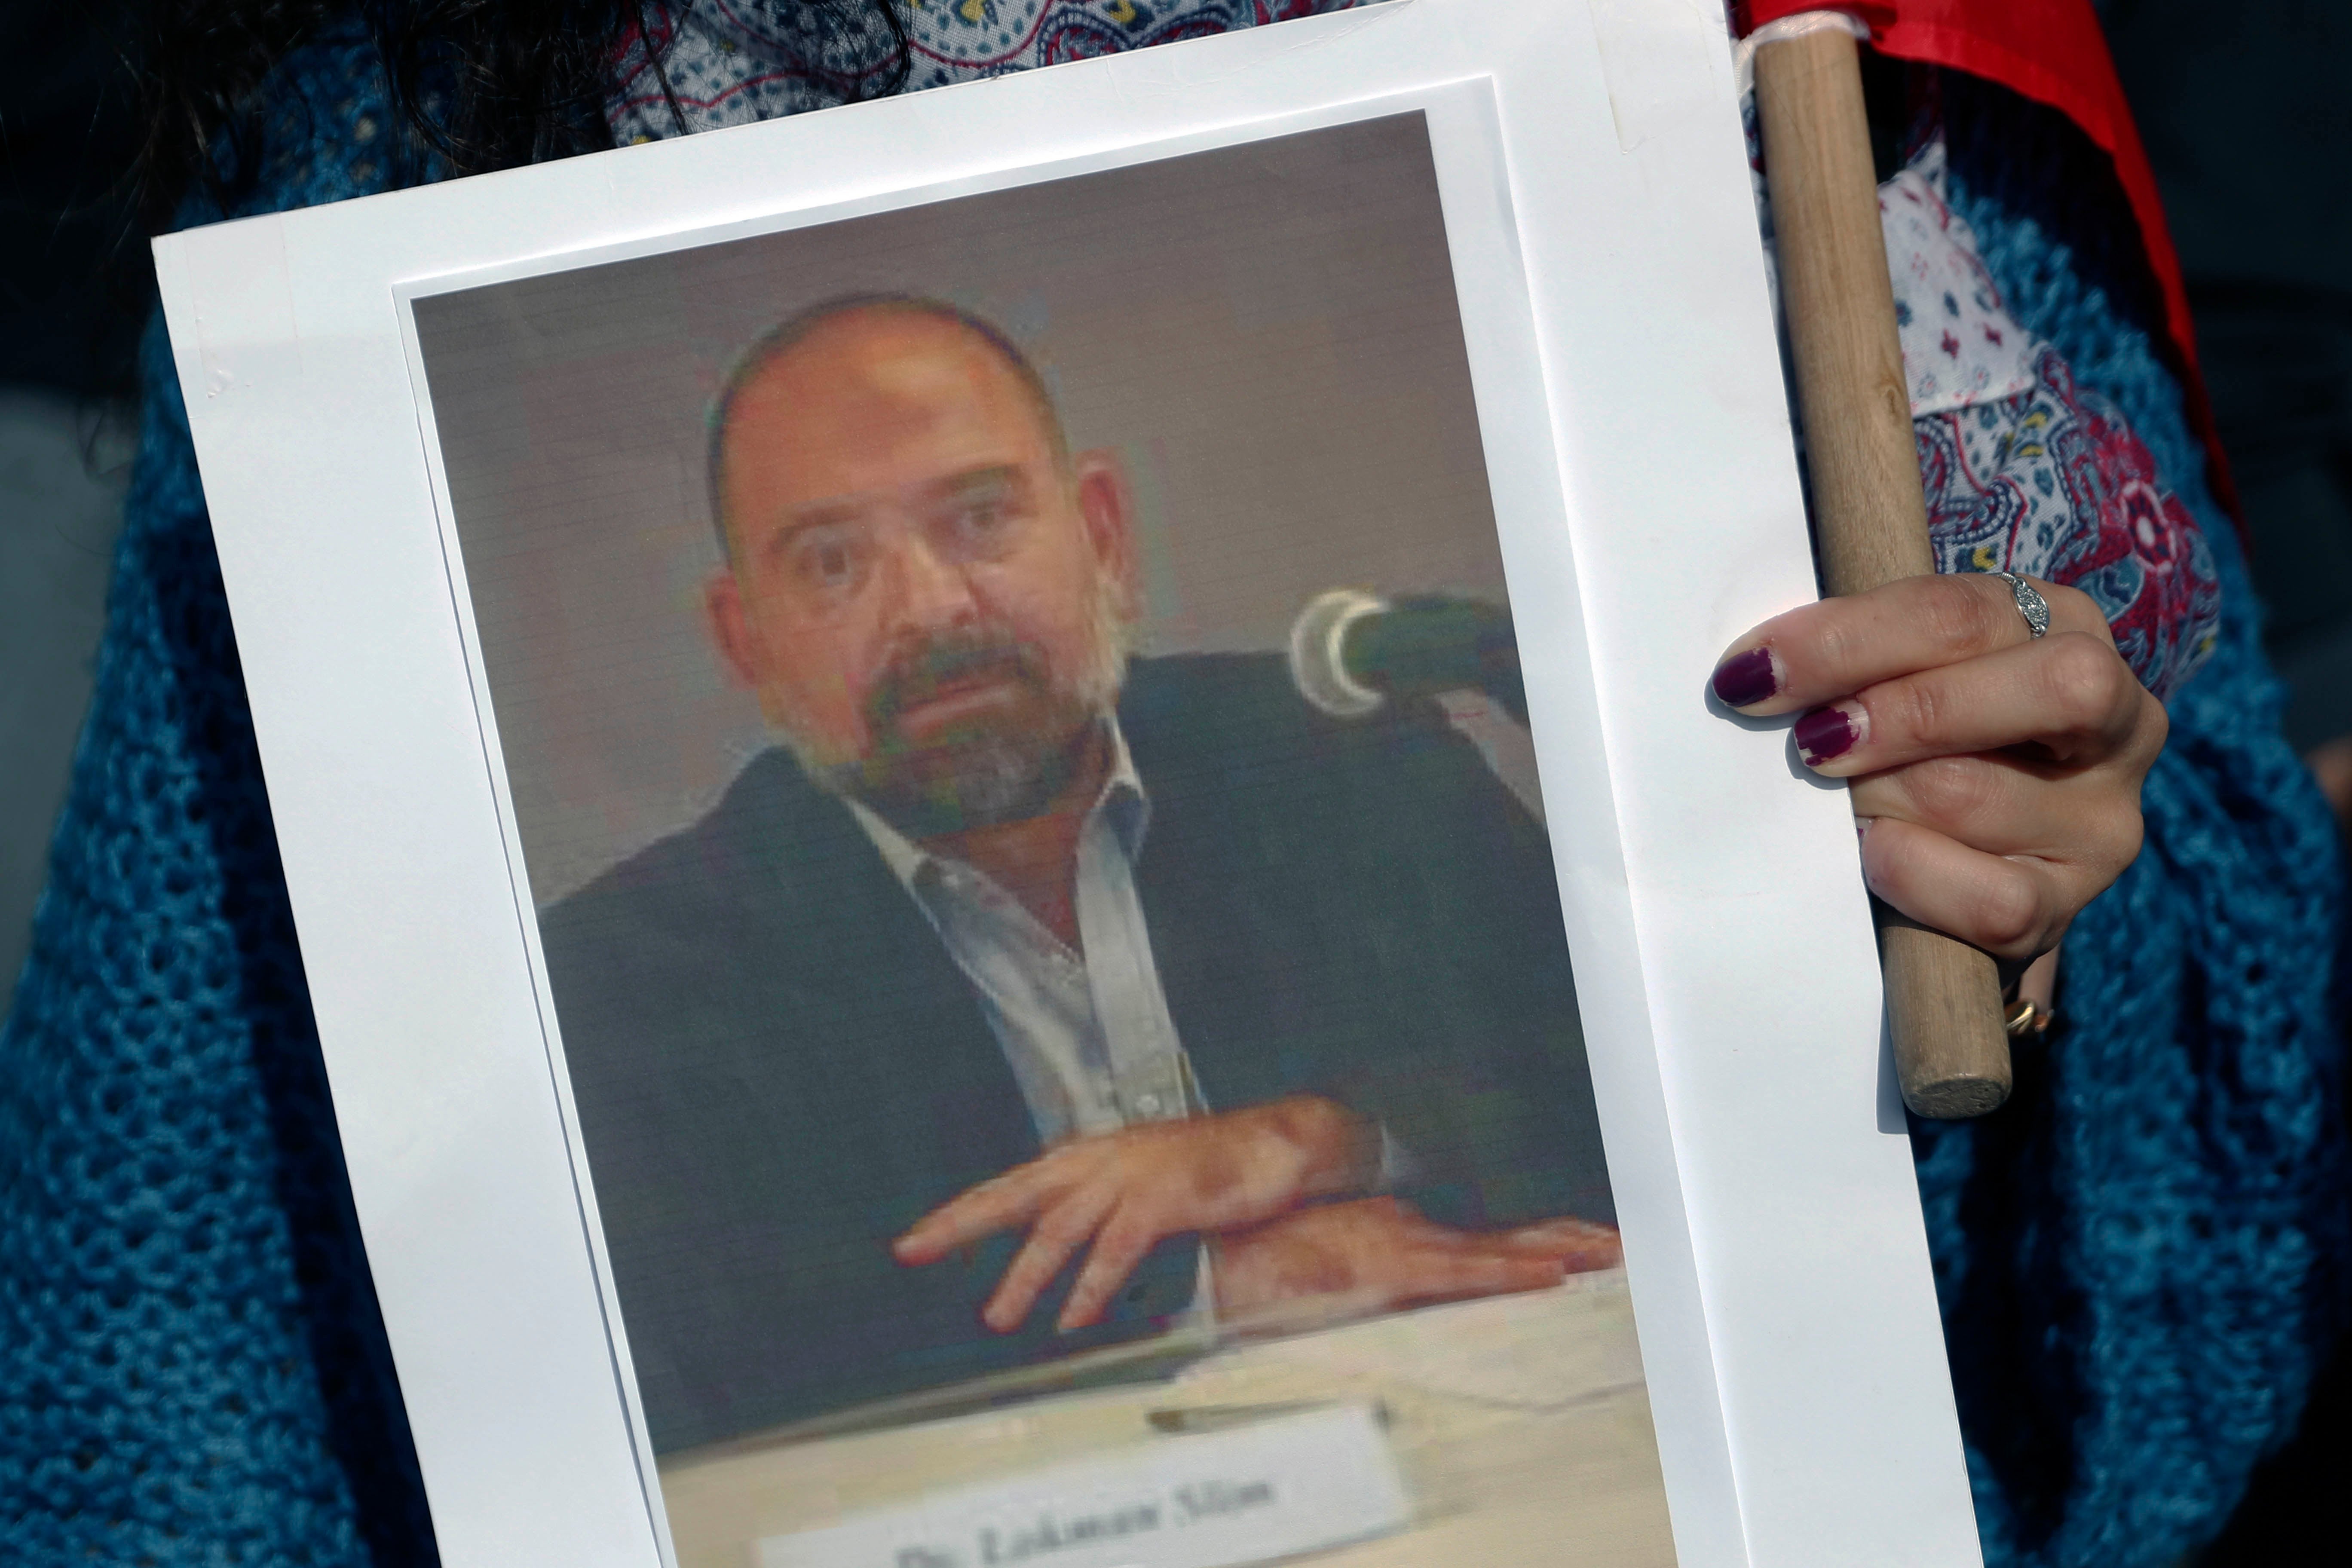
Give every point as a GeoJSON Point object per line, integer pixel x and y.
{"type": "Point", "coordinates": [779, 340]}
{"type": "Point", "coordinates": [927, 590]}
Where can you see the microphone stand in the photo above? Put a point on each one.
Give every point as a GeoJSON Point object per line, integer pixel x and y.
{"type": "Point", "coordinates": [1943, 996]}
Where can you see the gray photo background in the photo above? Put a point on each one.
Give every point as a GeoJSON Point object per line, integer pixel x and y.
{"type": "Point", "coordinates": [1267, 333]}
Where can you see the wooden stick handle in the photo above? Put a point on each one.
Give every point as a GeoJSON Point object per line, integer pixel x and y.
{"type": "Point", "coordinates": [1943, 996]}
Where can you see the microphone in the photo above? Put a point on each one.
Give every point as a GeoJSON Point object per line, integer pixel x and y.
{"type": "Point", "coordinates": [1351, 651]}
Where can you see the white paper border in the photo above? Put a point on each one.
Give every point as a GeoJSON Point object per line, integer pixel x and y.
{"type": "Point", "coordinates": [1724, 956]}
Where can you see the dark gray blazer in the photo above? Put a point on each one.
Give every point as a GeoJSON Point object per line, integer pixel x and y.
{"type": "Point", "coordinates": [777, 1068]}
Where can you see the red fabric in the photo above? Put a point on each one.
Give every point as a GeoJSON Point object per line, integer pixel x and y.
{"type": "Point", "coordinates": [2053, 52]}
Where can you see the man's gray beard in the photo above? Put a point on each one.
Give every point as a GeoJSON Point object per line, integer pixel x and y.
{"type": "Point", "coordinates": [991, 782]}
{"type": "Point", "coordinates": [993, 778]}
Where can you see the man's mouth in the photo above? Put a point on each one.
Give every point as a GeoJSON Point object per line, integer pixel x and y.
{"type": "Point", "coordinates": [955, 690]}
{"type": "Point", "coordinates": [966, 732]}
{"type": "Point", "coordinates": [948, 704]}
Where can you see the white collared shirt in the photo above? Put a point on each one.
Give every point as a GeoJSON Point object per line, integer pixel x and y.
{"type": "Point", "coordinates": [1087, 1033]}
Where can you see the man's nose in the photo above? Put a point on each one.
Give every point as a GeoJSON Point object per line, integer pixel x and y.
{"type": "Point", "coordinates": [925, 590]}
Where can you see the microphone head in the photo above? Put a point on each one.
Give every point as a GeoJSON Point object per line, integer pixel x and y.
{"type": "Point", "coordinates": [1318, 652]}
{"type": "Point", "coordinates": [1351, 651]}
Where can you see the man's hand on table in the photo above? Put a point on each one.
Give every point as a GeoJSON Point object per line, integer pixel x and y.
{"type": "Point", "coordinates": [1997, 775]}
{"type": "Point", "coordinates": [1123, 1192]}
{"type": "Point", "coordinates": [1380, 1254]}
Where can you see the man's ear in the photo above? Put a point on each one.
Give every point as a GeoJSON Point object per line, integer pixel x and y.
{"type": "Point", "coordinates": [1107, 503]}
{"type": "Point", "coordinates": [731, 628]}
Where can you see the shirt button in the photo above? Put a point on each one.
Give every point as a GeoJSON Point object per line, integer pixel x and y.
{"type": "Point", "coordinates": [1148, 1104]}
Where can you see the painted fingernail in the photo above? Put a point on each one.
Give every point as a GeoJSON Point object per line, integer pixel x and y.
{"type": "Point", "coordinates": [1745, 679]}
{"type": "Point", "coordinates": [1827, 732]}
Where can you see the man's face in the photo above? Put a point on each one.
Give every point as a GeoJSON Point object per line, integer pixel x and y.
{"type": "Point", "coordinates": [927, 599]}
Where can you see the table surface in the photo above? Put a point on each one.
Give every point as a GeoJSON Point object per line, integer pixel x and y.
{"type": "Point", "coordinates": [1520, 1423]}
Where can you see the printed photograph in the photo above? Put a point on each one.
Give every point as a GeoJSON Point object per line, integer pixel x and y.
{"type": "Point", "coordinates": [1018, 756]}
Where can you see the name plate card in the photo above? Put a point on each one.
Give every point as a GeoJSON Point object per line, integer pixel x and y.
{"type": "Point", "coordinates": [1246, 1494]}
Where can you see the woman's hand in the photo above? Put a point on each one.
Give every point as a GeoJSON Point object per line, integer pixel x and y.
{"type": "Point", "coordinates": [1996, 777]}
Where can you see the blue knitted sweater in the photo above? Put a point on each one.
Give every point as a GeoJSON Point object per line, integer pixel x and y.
{"type": "Point", "coordinates": [2137, 1257]}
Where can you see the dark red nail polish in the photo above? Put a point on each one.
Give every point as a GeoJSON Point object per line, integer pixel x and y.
{"type": "Point", "coordinates": [1746, 680]}
{"type": "Point", "coordinates": [1825, 732]}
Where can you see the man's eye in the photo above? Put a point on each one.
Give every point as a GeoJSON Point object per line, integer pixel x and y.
{"type": "Point", "coordinates": [828, 563]}
{"type": "Point", "coordinates": [980, 521]}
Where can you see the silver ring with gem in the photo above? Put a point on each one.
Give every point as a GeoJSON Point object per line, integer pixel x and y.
{"type": "Point", "coordinates": [2030, 603]}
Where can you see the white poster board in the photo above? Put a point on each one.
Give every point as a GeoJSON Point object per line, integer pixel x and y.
{"type": "Point", "coordinates": [1632, 428]}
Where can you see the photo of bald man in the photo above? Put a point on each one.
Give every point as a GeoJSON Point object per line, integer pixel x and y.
{"type": "Point", "coordinates": [1028, 996]}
